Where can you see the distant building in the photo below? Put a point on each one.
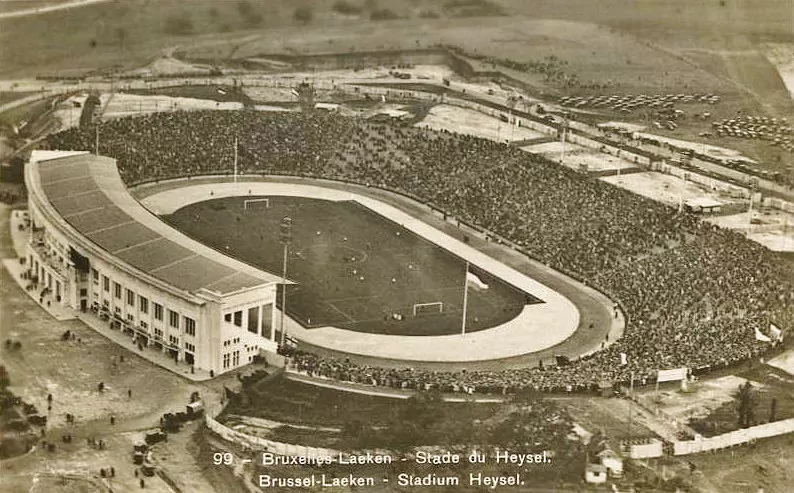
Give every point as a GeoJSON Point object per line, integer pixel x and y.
{"type": "Point", "coordinates": [704, 205]}
{"type": "Point", "coordinates": [595, 474]}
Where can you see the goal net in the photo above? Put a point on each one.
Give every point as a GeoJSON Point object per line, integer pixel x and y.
{"type": "Point", "coordinates": [256, 203]}
{"type": "Point", "coordinates": [431, 308]}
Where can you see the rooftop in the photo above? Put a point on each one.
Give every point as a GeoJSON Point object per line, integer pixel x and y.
{"type": "Point", "coordinates": [87, 192]}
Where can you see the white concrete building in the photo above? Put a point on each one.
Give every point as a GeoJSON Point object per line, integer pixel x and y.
{"type": "Point", "coordinates": [94, 247]}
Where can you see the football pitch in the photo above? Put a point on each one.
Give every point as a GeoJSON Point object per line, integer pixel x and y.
{"type": "Point", "coordinates": [353, 268]}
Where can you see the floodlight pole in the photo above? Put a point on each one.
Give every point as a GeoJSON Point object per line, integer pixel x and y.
{"type": "Point", "coordinates": [285, 238]}
{"type": "Point", "coordinates": [465, 300]}
{"type": "Point", "coordinates": [562, 139]}
{"type": "Point", "coordinates": [235, 160]}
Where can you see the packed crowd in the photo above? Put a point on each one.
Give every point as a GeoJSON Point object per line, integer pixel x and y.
{"type": "Point", "coordinates": [693, 294]}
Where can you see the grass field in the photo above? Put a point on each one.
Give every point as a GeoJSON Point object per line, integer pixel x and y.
{"type": "Point", "coordinates": [288, 401]}
{"type": "Point", "coordinates": [354, 268]}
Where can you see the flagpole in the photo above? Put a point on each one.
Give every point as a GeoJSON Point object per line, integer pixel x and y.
{"type": "Point", "coordinates": [235, 159]}
{"type": "Point", "coordinates": [465, 300]}
{"type": "Point", "coordinates": [631, 400]}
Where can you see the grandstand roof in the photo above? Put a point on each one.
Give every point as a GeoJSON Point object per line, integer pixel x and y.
{"type": "Point", "coordinates": [87, 192]}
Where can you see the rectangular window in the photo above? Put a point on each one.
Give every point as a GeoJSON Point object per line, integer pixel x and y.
{"type": "Point", "coordinates": [144, 325]}
{"type": "Point", "coordinates": [236, 358]}
{"type": "Point", "coordinates": [117, 290]}
{"type": "Point", "coordinates": [106, 284]}
{"type": "Point", "coordinates": [253, 319]}
{"type": "Point", "coordinates": [226, 360]}
{"type": "Point", "coordinates": [83, 292]}
{"type": "Point", "coordinates": [238, 318]}
{"type": "Point", "coordinates": [130, 317]}
{"type": "Point", "coordinates": [228, 317]}
{"type": "Point", "coordinates": [130, 298]}
{"type": "Point", "coordinates": [158, 312]}
{"type": "Point", "coordinates": [95, 273]}
{"type": "Point", "coordinates": [173, 319]}
{"type": "Point", "coordinates": [144, 304]}
{"type": "Point", "coordinates": [190, 326]}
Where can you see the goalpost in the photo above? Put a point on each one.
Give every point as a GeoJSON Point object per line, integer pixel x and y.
{"type": "Point", "coordinates": [248, 202]}
{"type": "Point", "coordinates": [428, 308]}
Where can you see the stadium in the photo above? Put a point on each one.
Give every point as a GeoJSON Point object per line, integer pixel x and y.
{"type": "Point", "coordinates": [694, 295]}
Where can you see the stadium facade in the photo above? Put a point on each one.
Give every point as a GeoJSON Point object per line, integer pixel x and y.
{"type": "Point", "coordinates": [93, 247]}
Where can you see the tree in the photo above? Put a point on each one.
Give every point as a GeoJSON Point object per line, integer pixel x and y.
{"type": "Point", "coordinates": [746, 403]}
{"type": "Point", "coordinates": [245, 8]}
{"type": "Point", "coordinates": [417, 421]}
{"type": "Point", "coordinates": [121, 34]}
{"type": "Point", "coordinates": [346, 8]}
{"type": "Point", "coordinates": [303, 14]}
{"type": "Point", "coordinates": [5, 380]}
{"type": "Point", "coordinates": [250, 16]}
{"type": "Point", "coordinates": [383, 15]}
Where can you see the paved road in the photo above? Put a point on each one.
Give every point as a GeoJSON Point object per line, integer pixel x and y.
{"type": "Point", "coordinates": [49, 8]}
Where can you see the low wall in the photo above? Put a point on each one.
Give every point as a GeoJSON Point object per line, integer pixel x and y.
{"type": "Point", "coordinates": [706, 181]}
{"type": "Point", "coordinates": [259, 444]}
{"type": "Point", "coordinates": [776, 203]}
{"type": "Point", "coordinates": [653, 448]}
{"type": "Point", "coordinates": [733, 438]}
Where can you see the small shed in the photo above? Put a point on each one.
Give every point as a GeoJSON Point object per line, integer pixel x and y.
{"type": "Point", "coordinates": [704, 205]}
{"type": "Point", "coordinates": [612, 462]}
{"type": "Point", "coordinates": [595, 474]}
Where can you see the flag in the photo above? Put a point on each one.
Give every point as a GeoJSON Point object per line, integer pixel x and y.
{"type": "Point", "coordinates": [775, 333]}
{"type": "Point", "coordinates": [473, 280]}
{"type": "Point", "coordinates": [624, 359]}
{"type": "Point", "coordinates": [760, 336]}
{"type": "Point", "coordinates": [295, 93]}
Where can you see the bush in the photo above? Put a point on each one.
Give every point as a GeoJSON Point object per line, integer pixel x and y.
{"type": "Point", "coordinates": [15, 171]}
{"type": "Point", "coordinates": [429, 14]}
{"type": "Point", "coordinates": [383, 15]}
{"type": "Point", "coordinates": [346, 8]}
{"type": "Point", "coordinates": [178, 25]}
{"type": "Point", "coordinates": [303, 14]}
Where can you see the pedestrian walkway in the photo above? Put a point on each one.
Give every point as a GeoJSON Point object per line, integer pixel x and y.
{"type": "Point", "coordinates": [63, 313]}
